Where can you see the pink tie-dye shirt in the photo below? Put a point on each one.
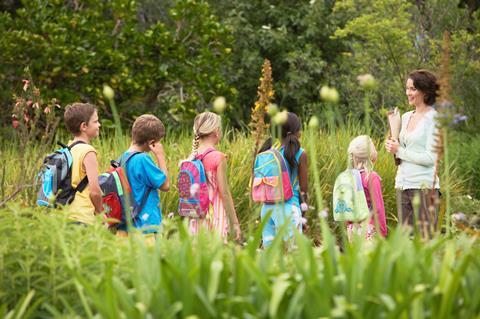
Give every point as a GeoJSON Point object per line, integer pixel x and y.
{"type": "Point", "coordinates": [216, 219]}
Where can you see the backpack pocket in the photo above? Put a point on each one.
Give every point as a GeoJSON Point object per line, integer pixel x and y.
{"type": "Point", "coordinates": [113, 208]}
{"type": "Point", "coordinates": [267, 189]}
{"type": "Point", "coordinates": [48, 182]}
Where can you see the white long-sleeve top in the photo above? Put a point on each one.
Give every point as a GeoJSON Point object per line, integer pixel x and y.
{"type": "Point", "coordinates": [417, 153]}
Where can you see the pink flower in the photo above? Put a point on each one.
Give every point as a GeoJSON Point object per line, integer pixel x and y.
{"type": "Point", "coordinates": [25, 84]}
{"type": "Point", "coordinates": [29, 103]}
{"type": "Point", "coordinates": [47, 110]}
{"type": "Point", "coordinates": [14, 122]}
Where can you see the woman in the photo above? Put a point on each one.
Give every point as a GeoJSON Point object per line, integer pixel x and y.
{"type": "Point", "coordinates": [416, 174]}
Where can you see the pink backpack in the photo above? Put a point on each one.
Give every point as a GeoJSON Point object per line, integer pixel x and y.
{"type": "Point", "coordinates": [193, 188]}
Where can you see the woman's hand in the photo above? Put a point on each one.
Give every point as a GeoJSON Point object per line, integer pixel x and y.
{"type": "Point", "coordinates": [392, 146]}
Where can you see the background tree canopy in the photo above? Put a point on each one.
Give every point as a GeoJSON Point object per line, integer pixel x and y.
{"type": "Point", "coordinates": [173, 57]}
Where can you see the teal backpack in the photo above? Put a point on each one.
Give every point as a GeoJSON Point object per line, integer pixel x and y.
{"type": "Point", "coordinates": [349, 202]}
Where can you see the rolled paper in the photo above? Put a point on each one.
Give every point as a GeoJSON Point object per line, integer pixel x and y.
{"type": "Point", "coordinates": [395, 122]}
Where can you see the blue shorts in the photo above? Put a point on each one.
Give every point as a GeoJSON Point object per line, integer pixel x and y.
{"type": "Point", "coordinates": [281, 214]}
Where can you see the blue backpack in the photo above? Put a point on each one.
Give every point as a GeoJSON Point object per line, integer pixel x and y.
{"type": "Point", "coordinates": [56, 178]}
{"type": "Point", "coordinates": [271, 179]}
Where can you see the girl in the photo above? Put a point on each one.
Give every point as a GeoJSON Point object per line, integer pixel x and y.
{"type": "Point", "coordinates": [415, 148]}
{"type": "Point", "coordinates": [361, 155]}
{"type": "Point", "coordinates": [296, 158]}
{"type": "Point", "coordinates": [207, 134]}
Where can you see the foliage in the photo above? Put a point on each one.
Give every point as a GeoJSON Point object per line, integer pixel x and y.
{"type": "Point", "coordinates": [54, 269]}
{"type": "Point", "coordinates": [74, 47]}
{"type": "Point", "coordinates": [330, 161]}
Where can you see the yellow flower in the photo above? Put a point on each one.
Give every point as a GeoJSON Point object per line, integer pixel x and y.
{"type": "Point", "coordinates": [314, 122]}
{"type": "Point", "coordinates": [329, 94]}
{"type": "Point", "coordinates": [108, 92]}
{"type": "Point", "coordinates": [219, 104]}
{"type": "Point", "coordinates": [367, 81]}
{"type": "Point", "coordinates": [272, 109]}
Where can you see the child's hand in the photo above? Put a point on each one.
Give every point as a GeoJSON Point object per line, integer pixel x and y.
{"type": "Point", "coordinates": [156, 148]}
{"type": "Point", "coordinates": [238, 232]}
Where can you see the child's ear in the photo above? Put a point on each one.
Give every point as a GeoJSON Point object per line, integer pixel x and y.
{"type": "Point", "coordinates": [83, 126]}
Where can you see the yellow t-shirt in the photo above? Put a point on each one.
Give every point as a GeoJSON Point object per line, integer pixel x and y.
{"type": "Point", "coordinates": [81, 209]}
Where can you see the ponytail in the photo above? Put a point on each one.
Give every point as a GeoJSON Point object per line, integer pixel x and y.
{"type": "Point", "coordinates": [195, 143]}
{"type": "Point", "coordinates": [291, 146]}
{"type": "Point", "coordinates": [266, 145]}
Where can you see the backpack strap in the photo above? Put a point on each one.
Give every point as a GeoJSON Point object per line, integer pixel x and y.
{"type": "Point", "coordinates": [144, 199]}
{"type": "Point", "coordinates": [73, 144]}
{"type": "Point", "coordinates": [205, 153]}
{"type": "Point", "coordinates": [84, 182]}
{"type": "Point", "coordinates": [149, 189]}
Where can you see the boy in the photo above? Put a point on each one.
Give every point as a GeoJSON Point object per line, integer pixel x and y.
{"type": "Point", "coordinates": [81, 120]}
{"type": "Point", "coordinates": [143, 175]}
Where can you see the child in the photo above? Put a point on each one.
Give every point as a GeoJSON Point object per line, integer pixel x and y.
{"type": "Point", "coordinates": [362, 154]}
{"type": "Point", "coordinates": [296, 158]}
{"type": "Point", "coordinates": [81, 120]}
{"type": "Point", "coordinates": [142, 173]}
{"type": "Point", "coordinates": [207, 134]}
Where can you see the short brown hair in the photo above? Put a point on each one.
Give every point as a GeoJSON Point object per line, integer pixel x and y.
{"type": "Point", "coordinates": [426, 82]}
{"type": "Point", "coordinates": [147, 127]}
{"type": "Point", "coordinates": [77, 113]}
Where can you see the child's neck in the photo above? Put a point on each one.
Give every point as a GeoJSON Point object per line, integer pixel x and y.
{"type": "Point", "coordinates": [137, 148]}
{"type": "Point", "coordinates": [206, 144]}
{"type": "Point", "coordinates": [82, 137]}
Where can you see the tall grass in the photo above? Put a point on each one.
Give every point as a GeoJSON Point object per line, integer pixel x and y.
{"type": "Point", "coordinates": [49, 268]}
{"type": "Point", "coordinates": [331, 160]}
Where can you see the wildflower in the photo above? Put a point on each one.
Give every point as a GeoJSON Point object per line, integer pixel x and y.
{"type": "Point", "coordinates": [29, 103]}
{"type": "Point", "coordinates": [228, 50]}
{"type": "Point", "coordinates": [26, 83]}
{"type": "Point", "coordinates": [367, 81]}
{"type": "Point", "coordinates": [329, 94]}
{"type": "Point", "coordinates": [36, 105]}
{"type": "Point", "coordinates": [15, 122]}
{"type": "Point", "coordinates": [303, 220]}
{"type": "Point", "coordinates": [457, 118]}
{"type": "Point", "coordinates": [313, 123]}
{"type": "Point", "coordinates": [272, 109]}
{"type": "Point", "coordinates": [219, 104]}
{"type": "Point", "coordinates": [47, 110]}
{"type": "Point", "coordinates": [108, 92]}
{"type": "Point", "coordinates": [323, 213]}
{"type": "Point", "coordinates": [36, 92]}
{"type": "Point", "coordinates": [280, 118]}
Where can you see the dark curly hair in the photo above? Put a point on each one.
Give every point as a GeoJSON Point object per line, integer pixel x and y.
{"type": "Point", "coordinates": [426, 82]}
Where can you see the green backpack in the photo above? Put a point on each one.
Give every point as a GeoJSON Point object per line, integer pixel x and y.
{"type": "Point", "coordinates": [349, 202]}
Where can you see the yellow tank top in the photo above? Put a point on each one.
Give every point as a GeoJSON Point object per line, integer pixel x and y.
{"type": "Point", "coordinates": [81, 209]}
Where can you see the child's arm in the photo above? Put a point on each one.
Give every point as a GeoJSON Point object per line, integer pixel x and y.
{"type": "Point", "coordinates": [303, 178]}
{"type": "Point", "coordinates": [157, 149]}
{"type": "Point", "coordinates": [224, 190]}
{"type": "Point", "coordinates": [91, 168]}
{"type": "Point", "coordinates": [376, 197]}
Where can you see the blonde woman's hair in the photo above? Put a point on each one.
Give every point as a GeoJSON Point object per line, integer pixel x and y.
{"type": "Point", "coordinates": [359, 153]}
{"type": "Point", "coordinates": [205, 124]}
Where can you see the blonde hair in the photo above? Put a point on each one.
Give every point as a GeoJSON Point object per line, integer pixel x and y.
{"type": "Point", "coordinates": [205, 124]}
{"type": "Point", "coordinates": [360, 153]}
